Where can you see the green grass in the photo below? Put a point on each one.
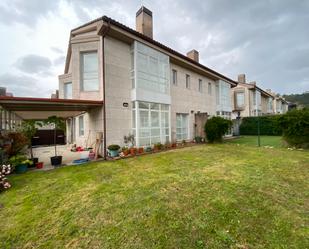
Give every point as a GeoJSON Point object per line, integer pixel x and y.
{"type": "Point", "coordinates": [274, 141]}
{"type": "Point", "coordinates": [208, 196]}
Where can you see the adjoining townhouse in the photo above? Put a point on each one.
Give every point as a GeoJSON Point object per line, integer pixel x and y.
{"type": "Point", "coordinates": [147, 88]}
{"type": "Point", "coordinates": [250, 100]}
{"type": "Point", "coordinates": [280, 105]}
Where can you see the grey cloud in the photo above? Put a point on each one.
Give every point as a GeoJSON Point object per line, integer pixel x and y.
{"type": "Point", "coordinates": [57, 50]}
{"type": "Point", "coordinates": [60, 60]}
{"type": "Point", "coordinates": [267, 40]}
{"type": "Point", "coordinates": [22, 85]}
{"type": "Point", "coordinates": [26, 12]}
{"type": "Point", "coordinates": [34, 64]}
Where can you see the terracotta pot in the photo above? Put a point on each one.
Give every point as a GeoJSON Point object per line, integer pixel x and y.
{"type": "Point", "coordinates": [140, 150]}
{"type": "Point", "coordinates": [125, 152]}
{"type": "Point", "coordinates": [39, 165]}
{"type": "Point", "coordinates": [133, 151]}
{"type": "Point", "coordinates": [174, 145]}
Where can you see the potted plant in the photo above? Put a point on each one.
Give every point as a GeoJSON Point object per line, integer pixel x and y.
{"type": "Point", "coordinates": [133, 151]}
{"type": "Point", "coordinates": [140, 150]}
{"type": "Point", "coordinates": [125, 150]}
{"type": "Point", "coordinates": [184, 142]}
{"type": "Point", "coordinates": [158, 146]}
{"type": "Point", "coordinates": [148, 149]}
{"type": "Point", "coordinates": [198, 139]}
{"type": "Point", "coordinates": [20, 162]}
{"type": "Point", "coordinates": [174, 144]}
{"type": "Point", "coordinates": [113, 150]}
{"type": "Point", "coordinates": [29, 129]}
{"type": "Point", "coordinates": [167, 145]}
{"type": "Point", "coordinates": [58, 124]}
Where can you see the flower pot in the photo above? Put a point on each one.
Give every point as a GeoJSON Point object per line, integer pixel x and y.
{"type": "Point", "coordinates": [140, 150]}
{"type": "Point", "coordinates": [21, 168]}
{"type": "Point", "coordinates": [133, 151]}
{"type": "Point", "coordinates": [174, 145]}
{"type": "Point", "coordinates": [125, 152]}
{"type": "Point", "coordinates": [113, 153]}
{"type": "Point", "coordinates": [56, 160]}
{"type": "Point", "coordinates": [34, 160]}
{"type": "Point", "coordinates": [39, 165]}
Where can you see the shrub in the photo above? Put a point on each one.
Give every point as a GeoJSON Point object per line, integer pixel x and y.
{"type": "Point", "coordinates": [295, 127]}
{"type": "Point", "coordinates": [113, 147]}
{"type": "Point", "coordinates": [19, 143]}
{"type": "Point", "coordinates": [4, 183]}
{"type": "Point", "coordinates": [216, 127]}
{"type": "Point", "coordinates": [269, 125]}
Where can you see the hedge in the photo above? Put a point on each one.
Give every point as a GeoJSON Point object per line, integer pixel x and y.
{"type": "Point", "coordinates": [269, 125]}
{"type": "Point", "coordinates": [295, 127]}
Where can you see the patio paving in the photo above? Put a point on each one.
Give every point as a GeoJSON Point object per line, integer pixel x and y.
{"type": "Point", "coordinates": [45, 152]}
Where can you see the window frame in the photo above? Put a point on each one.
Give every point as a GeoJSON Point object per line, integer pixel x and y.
{"type": "Point", "coordinates": [200, 85]}
{"type": "Point", "coordinates": [81, 128]}
{"type": "Point", "coordinates": [82, 72]}
{"type": "Point", "coordinates": [174, 77]}
{"type": "Point", "coordinates": [209, 88]}
{"type": "Point", "coordinates": [65, 92]}
{"type": "Point", "coordinates": [187, 81]}
{"type": "Point", "coordinates": [182, 127]}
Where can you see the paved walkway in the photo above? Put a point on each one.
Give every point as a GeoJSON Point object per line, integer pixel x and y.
{"type": "Point", "coordinates": [44, 154]}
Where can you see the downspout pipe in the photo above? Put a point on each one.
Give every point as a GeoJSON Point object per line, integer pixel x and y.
{"type": "Point", "coordinates": [103, 32]}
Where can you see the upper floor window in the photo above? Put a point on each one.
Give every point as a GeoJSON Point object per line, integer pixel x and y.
{"type": "Point", "coordinates": [209, 88]}
{"type": "Point", "coordinates": [89, 71]}
{"type": "Point", "coordinates": [187, 81]}
{"type": "Point", "coordinates": [67, 90]}
{"type": "Point", "coordinates": [240, 99]}
{"type": "Point", "coordinates": [174, 77]}
{"type": "Point", "coordinates": [200, 85]}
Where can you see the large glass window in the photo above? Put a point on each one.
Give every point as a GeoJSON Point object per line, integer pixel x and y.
{"type": "Point", "coordinates": [67, 90]}
{"type": "Point", "coordinates": [81, 126]}
{"type": "Point", "coordinates": [152, 70]}
{"type": "Point", "coordinates": [240, 99]}
{"type": "Point", "coordinates": [89, 71]}
{"type": "Point", "coordinates": [182, 122]}
{"type": "Point", "coordinates": [151, 123]}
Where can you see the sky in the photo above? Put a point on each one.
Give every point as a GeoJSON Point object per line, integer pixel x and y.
{"type": "Point", "coordinates": [268, 40]}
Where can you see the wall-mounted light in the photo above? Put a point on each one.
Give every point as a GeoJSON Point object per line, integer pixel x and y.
{"type": "Point", "coordinates": [125, 104]}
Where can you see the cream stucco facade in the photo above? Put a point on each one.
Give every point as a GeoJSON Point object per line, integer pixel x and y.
{"type": "Point", "coordinates": [130, 85]}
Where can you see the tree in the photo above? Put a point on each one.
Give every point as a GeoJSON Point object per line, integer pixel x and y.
{"type": "Point", "coordinates": [29, 129]}
{"type": "Point", "coordinates": [58, 124]}
{"type": "Point", "coordinates": [215, 128]}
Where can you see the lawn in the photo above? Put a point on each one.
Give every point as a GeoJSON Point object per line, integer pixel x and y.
{"type": "Point", "coordinates": [207, 196]}
{"type": "Point", "coordinates": [273, 141]}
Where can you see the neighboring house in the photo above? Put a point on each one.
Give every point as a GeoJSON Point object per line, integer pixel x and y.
{"type": "Point", "coordinates": [250, 100]}
{"type": "Point", "coordinates": [148, 89]}
{"type": "Point", "coordinates": [280, 104]}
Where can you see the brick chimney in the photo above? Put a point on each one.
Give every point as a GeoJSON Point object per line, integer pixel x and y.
{"type": "Point", "coordinates": [241, 78]}
{"type": "Point", "coordinates": [144, 22]}
{"type": "Point", "coordinates": [194, 55]}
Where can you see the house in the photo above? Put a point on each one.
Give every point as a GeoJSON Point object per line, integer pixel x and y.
{"type": "Point", "coordinates": [250, 100]}
{"type": "Point", "coordinates": [147, 88]}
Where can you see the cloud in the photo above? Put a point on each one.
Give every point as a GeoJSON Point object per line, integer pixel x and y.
{"type": "Point", "coordinates": [267, 40]}
{"type": "Point", "coordinates": [26, 12]}
{"type": "Point", "coordinates": [35, 64]}
{"type": "Point", "coordinates": [22, 85]}
{"type": "Point", "coordinates": [59, 61]}
{"type": "Point", "coordinates": [57, 50]}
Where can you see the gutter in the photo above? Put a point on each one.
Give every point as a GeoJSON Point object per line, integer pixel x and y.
{"type": "Point", "coordinates": [103, 32]}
